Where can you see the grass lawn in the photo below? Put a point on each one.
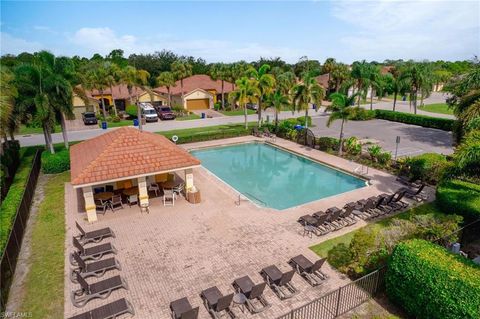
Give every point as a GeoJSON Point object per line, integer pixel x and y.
{"type": "Point", "coordinates": [43, 291]}
{"type": "Point", "coordinates": [206, 129]}
{"type": "Point", "coordinates": [192, 116]}
{"type": "Point", "coordinates": [441, 108]}
{"type": "Point", "coordinates": [117, 124]}
{"type": "Point", "coordinates": [25, 130]}
{"type": "Point", "coordinates": [323, 248]}
{"type": "Point", "coordinates": [237, 112]}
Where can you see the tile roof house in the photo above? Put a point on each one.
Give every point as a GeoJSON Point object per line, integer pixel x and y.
{"type": "Point", "coordinates": [125, 154]}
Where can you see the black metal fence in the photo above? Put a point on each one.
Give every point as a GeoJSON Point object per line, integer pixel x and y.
{"type": "Point", "coordinates": [342, 300]}
{"type": "Point", "coordinates": [14, 242]}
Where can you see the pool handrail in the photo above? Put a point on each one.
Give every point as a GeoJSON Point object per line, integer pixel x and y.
{"type": "Point", "coordinates": [260, 202]}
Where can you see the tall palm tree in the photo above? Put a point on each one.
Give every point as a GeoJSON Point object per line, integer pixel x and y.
{"type": "Point", "coordinates": [417, 77]}
{"type": "Point", "coordinates": [113, 75]}
{"type": "Point", "coordinates": [375, 81]}
{"type": "Point", "coordinates": [246, 91]}
{"type": "Point", "coordinates": [219, 71]}
{"type": "Point", "coordinates": [328, 68]}
{"type": "Point", "coordinates": [285, 82]}
{"type": "Point", "coordinates": [307, 92]}
{"type": "Point", "coordinates": [341, 109]}
{"type": "Point", "coordinates": [166, 79]}
{"type": "Point", "coordinates": [182, 69]}
{"type": "Point", "coordinates": [96, 78]}
{"type": "Point", "coordinates": [360, 73]}
{"type": "Point", "coordinates": [340, 74]}
{"type": "Point", "coordinates": [8, 93]}
{"type": "Point", "coordinates": [236, 71]}
{"type": "Point", "coordinates": [399, 85]}
{"type": "Point", "coordinates": [137, 79]}
{"type": "Point", "coordinates": [265, 83]}
{"type": "Point", "coordinates": [279, 101]}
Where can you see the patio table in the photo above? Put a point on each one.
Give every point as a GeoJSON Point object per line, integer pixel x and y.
{"type": "Point", "coordinates": [130, 191]}
{"type": "Point", "coordinates": [171, 184]}
{"type": "Point", "coordinates": [103, 196]}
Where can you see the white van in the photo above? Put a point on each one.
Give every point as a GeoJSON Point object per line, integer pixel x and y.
{"type": "Point", "coordinates": [148, 112]}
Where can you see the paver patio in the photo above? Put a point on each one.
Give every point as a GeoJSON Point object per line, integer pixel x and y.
{"type": "Point", "coordinates": [179, 251]}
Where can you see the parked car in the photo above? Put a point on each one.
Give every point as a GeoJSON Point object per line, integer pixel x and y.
{"type": "Point", "coordinates": [165, 113]}
{"type": "Point", "coordinates": [89, 118]}
{"type": "Point", "coordinates": [252, 106]}
{"type": "Point", "coordinates": [148, 112]}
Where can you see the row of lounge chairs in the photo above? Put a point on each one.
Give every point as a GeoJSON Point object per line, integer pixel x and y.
{"type": "Point", "coordinates": [334, 218]}
{"type": "Point", "coordinates": [88, 262]}
{"type": "Point", "coordinates": [251, 294]}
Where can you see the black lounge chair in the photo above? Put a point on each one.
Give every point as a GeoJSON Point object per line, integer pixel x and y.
{"type": "Point", "coordinates": [279, 282]}
{"type": "Point", "coordinates": [95, 252]}
{"type": "Point", "coordinates": [369, 207]}
{"type": "Point", "coordinates": [385, 204]}
{"type": "Point", "coordinates": [308, 270]}
{"type": "Point", "coordinates": [336, 214]}
{"type": "Point", "coordinates": [321, 227]}
{"type": "Point", "coordinates": [356, 209]}
{"type": "Point", "coordinates": [101, 289]}
{"type": "Point", "coordinates": [418, 194]}
{"type": "Point", "coordinates": [94, 269]}
{"type": "Point", "coordinates": [108, 311]}
{"type": "Point", "coordinates": [397, 203]}
{"type": "Point", "coordinates": [94, 235]}
{"type": "Point", "coordinates": [216, 303]}
{"type": "Point", "coordinates": [348, 217]}
{"type": "Point", "coordinates": [253, 293]}
{"type": "Point", "coordinates": [181, 309]}
{"type": "Point", "coordinates": [408, 181]}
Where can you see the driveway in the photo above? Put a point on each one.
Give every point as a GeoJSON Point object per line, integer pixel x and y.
{"type": "Point", "coordinates": [414, 139]}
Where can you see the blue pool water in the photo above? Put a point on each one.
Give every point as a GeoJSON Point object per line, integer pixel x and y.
{"type": "Point", "coordinates": [273, 177]}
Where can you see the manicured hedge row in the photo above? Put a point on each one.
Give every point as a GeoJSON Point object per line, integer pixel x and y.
{"type": "Point", "coordinates": [421, 120]}
{"type": "Point", "coordinates": [459, 197]}
{"type": "Point", "coordinates": [430, 282]}
{"type": "Point", "coordinates": [206, 136]}
{"type": "Point", "coordinates": [56, 163]}
{"type": "Point", "coordinates": [10, 204]}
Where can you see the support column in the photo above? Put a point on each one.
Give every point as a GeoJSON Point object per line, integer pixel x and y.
{"type": "Point", "coordinates": [188, 178]}
{"type": "Point", "coordinates": [89, 204]}
{"type": "Point", "coordinates": [142, 190]}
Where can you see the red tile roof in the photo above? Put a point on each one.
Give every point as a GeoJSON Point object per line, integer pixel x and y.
{"type": "Point", "coordinates": [123, 153]}
{"type": "Point", "coordinates": [198, 81]}
{"type": "Point", "coordinates": [323, 80]}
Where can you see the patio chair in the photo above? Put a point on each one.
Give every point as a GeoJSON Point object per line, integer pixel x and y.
{"type": "Point", "coordinates": [336, 216]}
{"type": "Point", "coordinates": [94, 235]}
{"type": "Point", "coordinates": [181, 309]}
{"type": "Point", "coordinates": [101, 289]}
{"type": "Point", "coordinates": [101, 206]}
{"type": "Point", "coordinates": [94, 269]}
{"type": "Point", "coordinates": [321, 227]}
{"type": "Point", "coordinates": [89, 253]}
{"type": "Point", "coordinates": [110, 310]}
{"type": "Point", "coordinates": [253, 293]}
{"type": "Point", "coordinates": [179, 189]}
{"type": "Point", "coordinates": [153, 187]}
{"type": "Point", "coordinates": [255, 132]}
{"type": "Point", "coordinates": [347, 217]}
{"type": "Point", "coordinates": [168, 197]}
{"type": "Point", "coordinates": [216, 303]}
{"type": "Point", "coordinates": [116, 202]}
{"type": "Point", "coordinates": [369, 207]}
{"type": "Point", "coordinates": [132, 200]}
{"type": "Point", "coordinates": [279, 282]}
{"type": "Point", "coordinates": [308, 270]}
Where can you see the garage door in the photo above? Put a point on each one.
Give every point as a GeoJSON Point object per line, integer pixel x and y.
{"type": "Point", "coordinates": [198, 104]}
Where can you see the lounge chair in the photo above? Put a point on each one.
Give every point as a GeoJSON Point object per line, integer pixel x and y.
{"type": "Point", "coordinates": [279, 282]}
{"type": "Point", "coordinates": [317, 222]}
{"type": "Point", "coordinates": [101, 289]}
{"type": "Point", "coordinates": [253, 293]}
{"type": "Point", "coordinates": [386, 200]}
{"type": "Point", "coordinates": [94, 269]}
{"type": "Point", "coordinates": [255, 132]}
{"type": "Point", "coordinates": [101, 206]}
{"type": "Point", "coordinates": [308, 270]}
{"type": "Point", "coordinates": [369, 207]}
{"type": "Point", "coordinates": [348, 217]}
{"type": "Point", "coordinates": [181, 309]}
{"type": "Point", "coordinates": [418, 194]}
{"type": "Point", "coordinates": [408, 181]}
{"type": "Point", "coordinates": [88, 253]}
{"type": "Point", "coordinates": [94, 235]}
{"type": "Point", "coordinates": [116, 202]}
{"type": "Point", "coordinates": [336, 216]}
{"type": "Point", "coordinates": [216, 303]}
{"type": "Point", "coordinates": [396, 203]}
{"type": "Point", "coordinates": [108, 311]}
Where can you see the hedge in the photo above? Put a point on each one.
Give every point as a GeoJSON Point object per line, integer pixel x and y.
{"type": "Point", "coordinates": [326, 143]}
{"type": "Point", "coordinates": [415, 119]}
{"type": "Point", "coordinates": [12, 200]}
{"type": "Point", "coordinates": [459, 197]}
{"type": "Point", "coordinates": [428, 167]}
{"type": "Point", "coordinates": [9, 163]}
{"type": "Point", "coordinates": [430, 282]}
{"type": "Point", "coordinates": [188, 137]}
{"type": "Point", "coordinates": [56, 163]}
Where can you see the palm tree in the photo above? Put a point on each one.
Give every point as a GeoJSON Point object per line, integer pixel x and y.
{"type": "Point", "coordinates": [265, 83]}
{"type": "Point", "coordinates": [399, 85]}
{"type": "Point", "coordinates": [113, 73]}
{"type": "Point", "coordinates": [307, 92]}
{"type": "Point", "coordinates": [327, 68]}
{"type": "Point", "coordinates": [137, 79]}
{"type": "Point", "coordinates": [360, 73]}
{"type": "Point", "coordinates": [181, 69]}
{"type": "Point", "coordinates": [340, 109]}
{"type": "Point", "coordinates": [417, 77]}
{"type": "Point", "coordinates": [236, 71]}
{"type": "Point", "coordinates": [96, 78]}
{"type": "Point", "coordinates": [8, 93]}
{"type": "Point", "coordinates": [375, 81]}
{"type": "Point", "coordinates": [279, 101]}
{"type": "Point", "coordinates": [340, 74]}
{"type": "Point", "coordinates": [166, 79]}
{"type": "Point", "coordinates": [285, 82]}
{"type": "Point", "coordinates": [246, 91]}
{"type": "Point", "coordinates": [219, 71]}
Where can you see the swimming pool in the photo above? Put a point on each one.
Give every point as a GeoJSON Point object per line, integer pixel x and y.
{"type": "Point", "coordinates": [273, 177]}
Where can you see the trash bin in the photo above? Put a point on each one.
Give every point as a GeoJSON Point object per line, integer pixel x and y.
{"type": "Point", "coordinates": [298, 127]}
{"type": "Point", "coordinates": [203, 115]}
{"type": "Point", "coordinates": [135, 122]}
{"type": "Point", "coordinates": [104, 125]}
{"type": "Point", "coordinates": [404, 98]}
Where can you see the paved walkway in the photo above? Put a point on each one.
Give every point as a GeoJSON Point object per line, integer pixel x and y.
{"type": "Point", "coordinates": [178, 251]}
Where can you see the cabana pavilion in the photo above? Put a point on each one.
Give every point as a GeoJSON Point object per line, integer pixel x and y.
{"type": "Point", "coordinates": [126, 159]}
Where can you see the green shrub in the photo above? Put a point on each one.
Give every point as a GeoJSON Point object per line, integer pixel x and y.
{"type": "Point", "coordinates": [327, 144]}
{"type": "Point", "coordinates": [430, 282]}
{"type": "Point", "coordinates": [428, 167]}
{"type": "Point", "coordinates": [352, 146]}
{"type": "Point", "coordinates": [131, 110]}
{"type": "Point", "coordinates": [459, 197]}
{"type": "Point", "coordinates": [9, 163]}
{"type": "Point", "coordinates": [374, 151]}
{"type": "Point", "coordinates": [473, 124]}
{"type": "Point", "coordinates": [301, 120]}
{"type": "Point", "coordinates": [217, 106]}
{"type": "Point", "coordinates": [421, 120]}
{"type": "Point", "coordinates": [361, 114]}
{"type": "Point", "coordinates": [114, 119]}
{"type": "Point", "coordinates": [384, 158]}
{"type": "Point", "coordinates": [56, 163]}
{"type": "Point", "coordinates": [340, 256]}
{"type": "Point", "coordinates": [467, 155]}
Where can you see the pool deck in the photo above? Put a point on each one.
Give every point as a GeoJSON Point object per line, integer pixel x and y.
{"type": "Point", "coordinates": [178, 251]}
